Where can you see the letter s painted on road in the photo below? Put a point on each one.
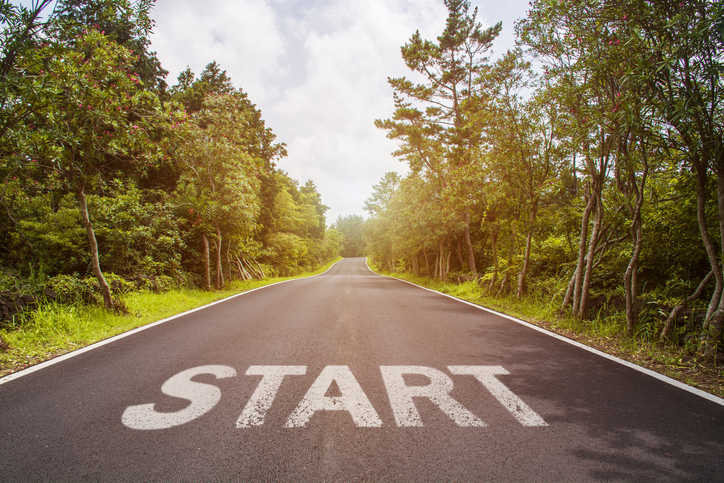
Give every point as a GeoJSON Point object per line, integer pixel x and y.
{"type": "Point", "coordinates": [203, 398]}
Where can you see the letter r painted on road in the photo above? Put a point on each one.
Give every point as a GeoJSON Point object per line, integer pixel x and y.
{"type": "Point", "coordinates": [437, 391]}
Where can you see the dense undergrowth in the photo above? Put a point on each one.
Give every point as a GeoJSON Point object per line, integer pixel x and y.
{"type": "Point", "coordinates": [605, 332]}
{"type": "Point", "coordinates": [57, 328]}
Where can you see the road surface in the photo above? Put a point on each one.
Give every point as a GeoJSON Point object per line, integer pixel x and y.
{"type": "Point", "coordinates": [349, 376]}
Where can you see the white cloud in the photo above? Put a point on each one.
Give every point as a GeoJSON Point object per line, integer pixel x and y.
{"type": "Point", "coordinates": [318, 71]}
{"type": "Point", "coordinates": [242, 36]}
{"type": "Point", "coordinates": [349, 55]}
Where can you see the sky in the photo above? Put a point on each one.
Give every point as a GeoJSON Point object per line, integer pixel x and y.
{"type": "Point", "coordinates": [317, 70]}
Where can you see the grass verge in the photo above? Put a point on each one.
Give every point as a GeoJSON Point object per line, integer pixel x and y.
{"type": "Point", "coordinates": [56, 329]}
{"type": "Point", "coordinates": [605, 334]}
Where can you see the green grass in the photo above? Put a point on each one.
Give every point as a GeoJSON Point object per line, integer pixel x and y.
{"type": "Point", "coordinates": [606, 334]}
{"type": "Point", "coordinates": [55, 329]}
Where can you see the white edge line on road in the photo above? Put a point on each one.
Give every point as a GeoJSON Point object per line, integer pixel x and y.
{"type": "Point", "coordinates": [95, 345]}
{"type": "Point", "coordinates": [636, 367]}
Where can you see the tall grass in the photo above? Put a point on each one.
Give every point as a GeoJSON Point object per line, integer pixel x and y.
{"type": "Point", "coordinates": [54, 329]}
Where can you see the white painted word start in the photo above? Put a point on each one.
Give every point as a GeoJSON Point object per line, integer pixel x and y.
{"type": "Point", "coordinates": [352, 398]}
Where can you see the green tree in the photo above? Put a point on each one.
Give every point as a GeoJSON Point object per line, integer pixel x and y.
{"type": "Point", "coordinates": [380, 228]}
{"type": "Point", "coordinates": [575, 46]}
{"type": "Point", "coordinates": [192, 92]}
{"type": "Point", "coordinates": [522, 137]}
{"type": "Point", "coordinates": [21, 29]}
{"type": "Point", "coordinates": [685, 45]}
{"type": "Point", "coordinates": [99, 121]}
{"type": "Point", "coordinates": [438, 138]}
{"type": "Point", "coordinates": [126, 22]}
{"type": "Point", "coordinates": [350, 227]}
{"type": "Point", "coordinates": [220, 182]}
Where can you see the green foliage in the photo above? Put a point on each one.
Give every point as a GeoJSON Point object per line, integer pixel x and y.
{"type": "Point", "coordinates": [125, 22]}
{"type": "Point", "coordinates": [289, 250]}
{"type": "Point", "coordinates": [596, 185]}
{"type": "Point", "coordinates": [57, 328]}
{"type": "Point", "coordinates": [110, 182]}
{"type": "Point", "coordinates": [71, 289]}
{"type": "Point", "coordinates": [350, 228]}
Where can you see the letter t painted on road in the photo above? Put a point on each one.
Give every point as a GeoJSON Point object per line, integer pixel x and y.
{"type": "Point", "coordinates": [266, 391]}
{"type": "Point", "coordinates": [515, 405]}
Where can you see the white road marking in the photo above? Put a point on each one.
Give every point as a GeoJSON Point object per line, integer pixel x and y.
{"type": "Point", "coordinates": [203, 397]}
{"type": "Point", "coordinates": [266, 391]}
{"type": "Point", "coordinates": [70, 355]}
{"type": "Point", "coordinates": [438, 391]}
{"type": "Point", "coordinates": [486, 375]}
{"type": "Point", "coordinates": [631, 365]}
{"type": "Point", "coordinates": [353, 400]}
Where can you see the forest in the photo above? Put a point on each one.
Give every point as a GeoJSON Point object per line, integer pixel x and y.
{"type": "Point", "coordinates": [585, 166]}
{"type": "Point", "coordinates": [111, 178]}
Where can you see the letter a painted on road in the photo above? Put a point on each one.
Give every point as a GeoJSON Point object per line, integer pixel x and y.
{"type": "Point", "coordinates": [438, 391]}
{"type": "Point", "coordinates": [203, 398]}
{"type": "Point", "coordinates": [353, 400]}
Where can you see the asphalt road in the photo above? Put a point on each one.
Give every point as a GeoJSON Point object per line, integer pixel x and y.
{"type": "Point", "coordinates": [351, 376]}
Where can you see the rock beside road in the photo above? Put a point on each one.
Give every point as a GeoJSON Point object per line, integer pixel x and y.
{"type": "Point", "coordinates": [13, 303]}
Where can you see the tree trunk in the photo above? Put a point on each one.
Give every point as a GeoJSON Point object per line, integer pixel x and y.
{"type": "Point", "coordinates": [252, 273]}
{"type": "Point", "coordinates": [578, 274]}
{"type": "Point", "coordinates": [261, 271]}
{"type": "Point", "coordinates": [629, 279]}
{"type": "Point", "coordinates": [631, 274]}
{"type": "Point", "coordinates": [716, 324]}
{"type": "Point", "coordinates": [219, 268]}
{"type": "Point", "coordinates": [569, 292]}
{"type": "Point", "coordinates": [441, 257]}
{"type": "Point", "coordinates": [447, 264]}
{"type": "Point", "coordinates": [592, 242]}
{"type": "Point", "coordinates": [95, 261]}
{"type": "Point", "coordinates": [701, 169]}
{"type": "Point", "coordinates": [459, 253]}
{"type": "Point", "coordinates": [494, 229]}
{"type": "Point", "coordinates": [228, 262]}
{"type": "Point", "coordinates": [427, 263]}
{"type": "Point", "coordinates": [504, 284]}
{"type": "Point", "coordinates": [251, 270]}
{"type": "Point", "coordinates": [675, 312]}
{"type": "Point", "coordinates": [469, 244]}
{"type": "Point", "coordinates": [706, 238]}
{"type": "Point", "coordinates": [242, 268]}
{"type": "Point", "coordinates": [207, 261]}
{"type": "Point", "coordinates": [526, 259]}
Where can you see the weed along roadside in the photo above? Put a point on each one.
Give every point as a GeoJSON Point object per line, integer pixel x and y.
{"type": "Point", "coordinates": [54, 329]}
{"type": "Point", "coordinates": [604, 334]}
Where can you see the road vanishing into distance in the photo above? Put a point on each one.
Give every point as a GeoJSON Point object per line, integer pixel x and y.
{"type": "Point", "coordinates": [350, 376]}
